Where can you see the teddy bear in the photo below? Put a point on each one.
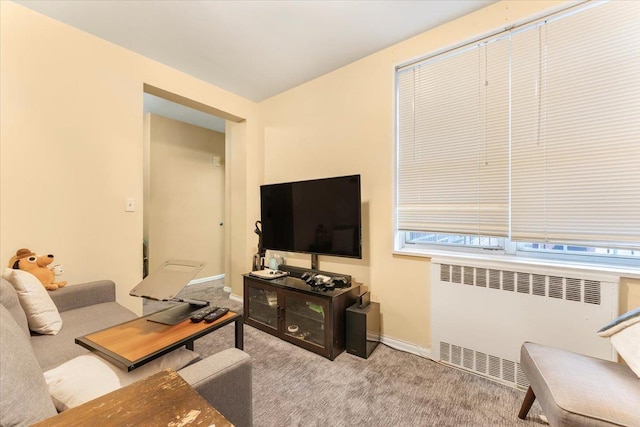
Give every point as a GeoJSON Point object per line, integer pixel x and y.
{"type": "Point", "coordinates": [28, 261]}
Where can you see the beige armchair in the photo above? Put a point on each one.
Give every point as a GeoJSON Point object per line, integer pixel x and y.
{"type": "Point", "coordinates": [577, 390]}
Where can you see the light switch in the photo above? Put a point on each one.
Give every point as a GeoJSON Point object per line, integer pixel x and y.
{"type": "Point", "coordinates": [130, 204]}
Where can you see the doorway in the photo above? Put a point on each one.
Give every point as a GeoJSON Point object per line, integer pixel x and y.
{"type": "Point", "coordinates": [184, 187]}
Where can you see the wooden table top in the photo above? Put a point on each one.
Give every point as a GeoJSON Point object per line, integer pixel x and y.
{"type": "Point", "coordinates": [163, 399]}
{"type": "Point", "coordinates": [133, 343]}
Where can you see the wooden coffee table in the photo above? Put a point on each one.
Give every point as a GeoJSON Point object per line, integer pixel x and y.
{"type": "Point", "coordinates": [136, 342]}
{"type": "Point", "coordinates": [163, 399]}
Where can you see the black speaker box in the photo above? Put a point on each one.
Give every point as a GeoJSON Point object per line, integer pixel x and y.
{"type": "Point", "coordinates": [363, 329]}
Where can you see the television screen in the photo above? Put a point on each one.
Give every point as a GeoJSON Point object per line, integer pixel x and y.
{"type": "Point", "coordinates": [320, 216]}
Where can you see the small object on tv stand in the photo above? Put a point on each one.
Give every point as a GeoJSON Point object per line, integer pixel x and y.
{"type": "Point", "coordinates": [298, 272]}
{"type": "Point", "coordinates": [258, 258]}
{"type": "Point", "coordinates": [364, 298]}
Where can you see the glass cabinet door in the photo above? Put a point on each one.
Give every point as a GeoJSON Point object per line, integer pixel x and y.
{"type": "Point", "coordinates": [263, 306]}
{"type": "Point", "coordinates": [305, 319]}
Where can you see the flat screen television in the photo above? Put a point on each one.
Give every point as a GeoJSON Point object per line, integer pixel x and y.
{"type": "Point", "coordinates": [318, 217]}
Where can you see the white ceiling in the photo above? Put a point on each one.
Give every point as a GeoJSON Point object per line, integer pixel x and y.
{"type": "Point", "coordinates": [255, 48]}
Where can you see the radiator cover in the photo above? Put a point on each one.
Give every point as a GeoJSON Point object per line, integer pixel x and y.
{"type": "Point", "coordinates": [481, 315]}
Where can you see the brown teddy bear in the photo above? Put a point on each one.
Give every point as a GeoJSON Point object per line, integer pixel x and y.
{"type": "Point", "coordinates": [28, 261]}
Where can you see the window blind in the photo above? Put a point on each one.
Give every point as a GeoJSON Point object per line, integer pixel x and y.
{"type": "Point", "coordinates": [576, 128]}
{"type": "Point", "coordinates": [533, 134]}
{"type": "Point", "coordinates": [452, 146]}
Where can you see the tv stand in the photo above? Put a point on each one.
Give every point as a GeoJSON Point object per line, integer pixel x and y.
{"type": "Point", "coordinates": [314, 261]}
{"type": "Point", "coordinates": [290, 309]}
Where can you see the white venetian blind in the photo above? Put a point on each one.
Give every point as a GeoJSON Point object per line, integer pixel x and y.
{"type": "Point", "coordinates": [453, 142]}
{"type": "Point", "coordinates": [576, 128]}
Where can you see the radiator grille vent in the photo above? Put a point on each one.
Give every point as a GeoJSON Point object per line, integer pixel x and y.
{"type": "Point", "coordinates": [592, 292]}
{"type": "Point", "coordinates": [468, 276]}
{"type": "Point", "coordinates": [445, 272]}
{"type": "Point", "coordinates": [455, 354]}
{"type": "Point", "coordinates": [567, 288]}
{"type": "Point", "coordinates": [523, 283]}
{"type": "Point", "coordinates": [481, 363]}
{"type": "Point", "coordinates": [521, 378]}
{"type": "Point", "coordinates": [481, 277]}
{"type": "Point", "coordinates": [494, 279]}
{"type": "Point", "coordinates": [456, 274]}
{"type": "Point", "coordinates": [508, 280]}
{"type": "Point", "coordinates": [539, 284]}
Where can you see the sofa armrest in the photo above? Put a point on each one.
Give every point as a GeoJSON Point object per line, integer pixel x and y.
{"type": "Point", "coordinates": [84, 294]}
{"type": "Point", "coordinates": [224, 380]}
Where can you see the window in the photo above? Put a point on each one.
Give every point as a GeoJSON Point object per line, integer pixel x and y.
{"type": "Point", "coordinates": [527, 141]}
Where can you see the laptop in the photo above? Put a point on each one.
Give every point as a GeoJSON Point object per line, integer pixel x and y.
{"type": "Point", "coordinates": [164, 283]}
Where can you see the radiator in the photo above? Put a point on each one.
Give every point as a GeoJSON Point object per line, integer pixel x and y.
{"type": "Point", "coordinates": [481, 315]}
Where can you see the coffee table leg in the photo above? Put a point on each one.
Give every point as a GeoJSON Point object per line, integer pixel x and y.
{"type": "Point", "coordinates": [240, 333]}
{"type": "Point", "coordinates": [189, 345]}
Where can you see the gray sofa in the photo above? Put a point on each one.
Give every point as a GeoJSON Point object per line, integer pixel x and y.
{"type": "Point", "coordinates": [223, 379]}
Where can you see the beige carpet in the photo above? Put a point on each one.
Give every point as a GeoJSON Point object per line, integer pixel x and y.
{"type": "Point", "coordinates": [294, 387]}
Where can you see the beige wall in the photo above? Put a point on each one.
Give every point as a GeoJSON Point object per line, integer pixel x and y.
{"type": "Point", "coordinates": [343, 123]}
{"type": "Point", "coordinates": [185, 195]}
{"type": "Point", "coordinates": [71, 149]}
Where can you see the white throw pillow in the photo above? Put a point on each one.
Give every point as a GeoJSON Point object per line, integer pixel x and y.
{"type": "Point", "coordinates": [89, 376]}
{"type": "Point", "coordinates": [619, 323]}
{"type": "Point", "coordinates": [42, 313]}
{"type": "Point", "coordinates": [624, 332]}
{"type": "Point", "coordinates": [627, 344]}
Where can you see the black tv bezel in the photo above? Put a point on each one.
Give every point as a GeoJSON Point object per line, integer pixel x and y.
{"type": "Point", "coordinates": [290, 250]}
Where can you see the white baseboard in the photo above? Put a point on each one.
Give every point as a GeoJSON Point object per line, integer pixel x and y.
{"type": "Point", "coordinates": [233, 297]}
{"type": "Point", "coordinates": [205, 279]}
{"type": "Point", "coordinates": [407, 347]}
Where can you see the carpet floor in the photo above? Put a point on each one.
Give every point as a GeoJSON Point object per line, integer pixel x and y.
{"type": "Point", "coordinates": [294, 387]}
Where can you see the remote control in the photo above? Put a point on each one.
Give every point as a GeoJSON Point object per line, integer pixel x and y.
{"type": "Point", "coordinates": [218, 313]}
{"type": "Point", "coordinates": [202, 314]}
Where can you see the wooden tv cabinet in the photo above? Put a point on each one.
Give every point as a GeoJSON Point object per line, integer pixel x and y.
{"type": "Point", "coordinates": [289, 309]}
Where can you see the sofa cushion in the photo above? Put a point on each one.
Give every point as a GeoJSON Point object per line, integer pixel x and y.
{"type": "Point", "coordinates": [78, 322]}
{"type": "Point", "coordinates": [9, 298]}
{"type": "Point", "coordinates": [84, 294]}
{"type": "Point", "coordinates": [42, 313]}
{"type": "Point", "coordinates": [89, 376]}
{"type": "Point", "coordinates": [24, 396]}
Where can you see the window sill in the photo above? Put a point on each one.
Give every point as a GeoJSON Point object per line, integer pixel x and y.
{"type": "Point", "coordinates": [502, 261]}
